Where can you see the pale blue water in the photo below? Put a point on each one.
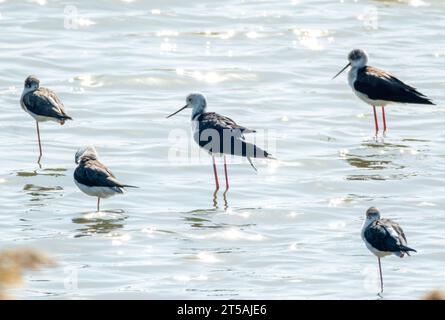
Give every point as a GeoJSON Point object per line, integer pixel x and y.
{"type": "Point", "coordinates": [290, 231]}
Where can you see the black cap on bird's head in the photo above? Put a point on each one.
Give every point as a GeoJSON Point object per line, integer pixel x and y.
{"type": "Point", "coordinates": [356, 55]}
{"type": "Point", "coordinates": [357, 58]}
{"type": "Point", "coordinates": [196, 101]}
{"type": "Point", "coordinates": [32, 82]}
{"type": "Point", "coordinates": [372, 213]}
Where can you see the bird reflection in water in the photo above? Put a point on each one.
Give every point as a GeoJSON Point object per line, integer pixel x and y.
{"type": "Point", "coordinates": [380, 156]}
{"type": "Point", "coordinates": [382, 145]}
{"type": "Point", "coordinates": [52, 172]}
{"type": "Point", "coordinates": [359, 162]}
{"type": "Point", "coordinates": [215, 199]}
{"type": "Point", "coordinates": [199, 222]}
{"type": "Point", "coordinates": [375, 159]}
{"type": "Point", "coordinates": [39, 194]}
{"type": "Point", "coordinates": [99, 223]}
{"type": "Point", "coordinates": [197, 218]}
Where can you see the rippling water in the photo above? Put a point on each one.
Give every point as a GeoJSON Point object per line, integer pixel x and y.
{"type": "Point", "coordinates": [292, 230]}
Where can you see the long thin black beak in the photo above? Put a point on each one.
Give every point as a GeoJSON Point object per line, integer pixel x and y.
{"type": "Point", "coordinates": [341, 71]}
{"type": "Point", "coordinates": [177, 111]}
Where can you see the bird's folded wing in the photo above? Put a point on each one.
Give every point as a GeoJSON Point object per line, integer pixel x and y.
{"type": "Point", "coordinates": [383, 237]}
{"type": "Point", "coordinates": [396, 230]}
{"type": "Point", "coordinates": [380, 85]}
{"type": "Point", "coordinates": [220, 123]}
{"type": "Point", "coordinates": [94, 173]}
{"type": "Point", "coordinates": [44, 102]}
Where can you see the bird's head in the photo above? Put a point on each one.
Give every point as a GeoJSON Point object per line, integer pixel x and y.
{"type": "Point", "coordinates": [31, 83]}
{"type": "Point", "coordinates": [372, 214]}
{"type": "Point", "coordinates": [357, 59]}
{"type": "Point", "coordinates": [195, 101]}
{"type": "Point", "coordinates": [88, 151]}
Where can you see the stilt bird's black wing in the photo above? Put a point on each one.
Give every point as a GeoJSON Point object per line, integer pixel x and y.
{"type": "Point", "coordinates": [93, 173]}
{"type": "Point", "coordinates": [386, 235]}
{"type": "Point", "coordinates": [380, 85]}
{"type": "Point", "coordinates": [44, 102]}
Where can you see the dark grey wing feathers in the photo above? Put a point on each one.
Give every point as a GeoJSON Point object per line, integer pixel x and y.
{"type": "Point", "coordinates": [219, 122]}
{"type": "Point", "coordinates": [232, 143]}
{"type": "Point", "coordinates": [381, 237]}
{"type": "Point", "coordinates": [93, 173]}
{"type": "Point", "coordinates": [397, 228]}
{"type": "Point", "coordinates": [44, 102]}
{"type": "Point", "coordinates": [380, 85]}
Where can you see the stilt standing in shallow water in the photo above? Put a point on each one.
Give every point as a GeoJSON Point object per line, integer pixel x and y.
{"type": "Point", "coordinates": [220, 135]}
{"type": "Point", "coordinates": [43, 105]}
{"type": "Point", "coordinates": [383, 237]}
{"type": "Point", "coordinates": [377, 87]}
{"type": "Point", "coordinates": [94, 178]}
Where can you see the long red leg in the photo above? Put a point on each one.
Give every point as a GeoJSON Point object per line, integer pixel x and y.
{"type": "Point", "coordinates": [216, 174]}
{"type": "Point", "coordinates": [384, 119]}
{"type": "Point", "coordinates": [38, 137]}
{"type": "Point", "coordinates": [381, 277]}
{"type": "Point", "coordinates": [375, 121]}
{"type": "Point", "coordinates": [225, 172]}
{"type": "Point", "coordinates": [98, 204]}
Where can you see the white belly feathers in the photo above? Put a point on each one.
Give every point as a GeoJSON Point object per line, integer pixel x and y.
{"type": "Point", "coordinates": [100, 192]}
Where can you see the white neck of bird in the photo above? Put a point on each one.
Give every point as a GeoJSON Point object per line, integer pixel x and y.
{"type": "Point", "coordinates": [368, 221]}
{"type": "Point", "coordinates": [198, 110]}
{"type": "Point", "coordinates": [27, 90]}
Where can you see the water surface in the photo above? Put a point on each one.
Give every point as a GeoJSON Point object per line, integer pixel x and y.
{"type": "Point", "coordinates": [292, 230]}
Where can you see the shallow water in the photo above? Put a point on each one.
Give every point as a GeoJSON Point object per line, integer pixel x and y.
{"type": "Point", "coordinates": [292, 230]}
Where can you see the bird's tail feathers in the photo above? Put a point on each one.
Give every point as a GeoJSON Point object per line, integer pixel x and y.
{"type": "Point", "coordinates": [420, 98]}
{"type": "Point", "coordinates": [406, 249]}
{"type": "Point", "coordinates": [423, 100]}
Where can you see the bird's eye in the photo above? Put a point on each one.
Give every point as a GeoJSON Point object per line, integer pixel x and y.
{"type": "Point", "coordinates": [190, 99]}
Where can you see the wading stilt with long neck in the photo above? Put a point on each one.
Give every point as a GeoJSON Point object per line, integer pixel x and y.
{"type": "Point", "coordinates": [220, 135]}
{"type": "Point", "coordinates": [378, 88]}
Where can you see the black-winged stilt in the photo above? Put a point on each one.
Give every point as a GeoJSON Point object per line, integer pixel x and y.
{"type": "Point", "coordinates": [42, 104]}
{"type": "Point", "coordinates": [383, 237]}
{"type": "Point", "coordinates": [94, 178]}
{"type": "Point", "coordinates": [220, 135]}
{"type": "Point", "coordinates": [377, 87]}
